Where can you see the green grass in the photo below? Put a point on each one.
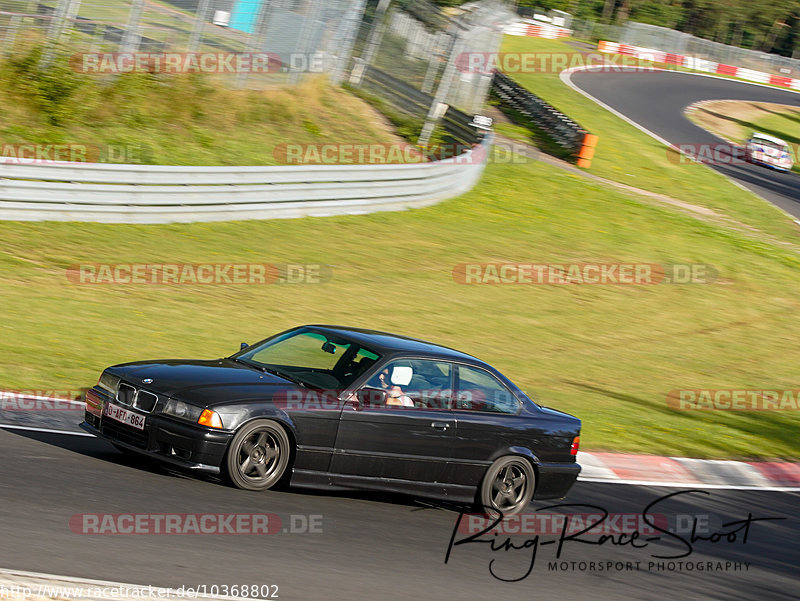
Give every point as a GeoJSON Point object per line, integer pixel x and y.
{"type": "Point", "coordinates": [628, 155]}
{"type": "Point", "coordinates": [608, 354]}
{"type": "Point", "coordinates": [170, 119]}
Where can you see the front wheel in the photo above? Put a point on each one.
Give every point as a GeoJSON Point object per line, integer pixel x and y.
{"type": "Point", "coordinates": [258, 456]}
{"type": "Point", "coordinates": [507, 487]}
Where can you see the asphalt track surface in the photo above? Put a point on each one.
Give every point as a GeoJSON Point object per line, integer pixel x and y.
{"type": "Point", "coordinates": [371, 546]}
{"type": "Point", "coordinates": [657, 100]}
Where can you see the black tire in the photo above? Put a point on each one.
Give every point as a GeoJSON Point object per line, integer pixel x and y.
{"type": "Point", "coordinates": [258, 456]}
{"type": "Point", "coordinates": [507, 486]}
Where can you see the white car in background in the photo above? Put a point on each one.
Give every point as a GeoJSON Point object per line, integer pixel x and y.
{"type": "Point", "coordinates": [769, 151]}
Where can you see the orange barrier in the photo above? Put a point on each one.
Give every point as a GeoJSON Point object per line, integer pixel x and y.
{"type": "Point", "coordinates": [587, 151]}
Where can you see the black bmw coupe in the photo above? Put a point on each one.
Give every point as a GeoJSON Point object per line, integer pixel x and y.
{"type": "Point", "coordinates": [347, 408]}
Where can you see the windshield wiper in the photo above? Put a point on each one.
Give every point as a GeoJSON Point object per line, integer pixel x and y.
{"type": "Point", "coordinates": [281, 374]}
{"type": "Point", "coordinates": [275, 372]}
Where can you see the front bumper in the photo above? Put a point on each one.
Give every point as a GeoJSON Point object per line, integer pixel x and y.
{"type": "Point", "coordinates": [165, 440]}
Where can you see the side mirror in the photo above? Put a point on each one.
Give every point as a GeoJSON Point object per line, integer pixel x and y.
{"type": "Point", "coordinates": [369, 398]}
{"type": "Point", "coordinates": [243, 346]}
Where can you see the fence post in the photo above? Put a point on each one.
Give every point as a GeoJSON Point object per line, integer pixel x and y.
{"type": "Point", "coordinates": [442, 91]}
{"type": "Point", "coordinates": [64, 13]}
{"type": "Point", "coordinates": [11, 36]}
{"type": "Point", "coordinates": [304, 41]}
{"type": "Point", "coordinates": [199, 25]}
{"type": "Point", "coordinates": [375, 37]}
{"type": "Point", "coordinates": [347, 38]}
{"type": "Point", "coordinates": [132, 36]}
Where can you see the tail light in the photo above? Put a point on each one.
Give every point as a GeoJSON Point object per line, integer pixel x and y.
{"type": "Point", "coordinates": [576, 443]}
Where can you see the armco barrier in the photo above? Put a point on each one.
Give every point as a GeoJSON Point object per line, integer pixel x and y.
{"type": "Point", "coordinates": [560, 128]}
{"type": "Point", "coordinates": [164, 194]}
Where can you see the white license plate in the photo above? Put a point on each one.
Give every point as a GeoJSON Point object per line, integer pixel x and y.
{"type": "Point", "coordinates": [124, 416]}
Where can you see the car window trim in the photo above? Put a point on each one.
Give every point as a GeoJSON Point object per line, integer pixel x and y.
{"type": "Point", "coordinates": [456, 390]}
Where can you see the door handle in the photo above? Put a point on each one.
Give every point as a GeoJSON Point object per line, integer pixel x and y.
{"type": "Point", "coordinates": [440, 426]}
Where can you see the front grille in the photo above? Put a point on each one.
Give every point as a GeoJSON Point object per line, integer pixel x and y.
{"type": "Point", "coordinates": [139, 399]}
{"type": "Point", "coordinates": [124, 433]}
{"type": "Point", "coordinates": [126, 394]}
{"type": "Point", "coordinates": [145, 401]}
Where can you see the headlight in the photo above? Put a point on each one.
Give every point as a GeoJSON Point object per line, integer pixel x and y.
{"type": "Point", "coordinates": [108, 383]}
{"type": "Point", "coordinates": [182, 410]}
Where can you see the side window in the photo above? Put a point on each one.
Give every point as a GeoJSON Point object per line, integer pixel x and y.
{"type": "Point", "coordinates": [479, 390]}
{"type": "Point", "coordinates": [415, 383]}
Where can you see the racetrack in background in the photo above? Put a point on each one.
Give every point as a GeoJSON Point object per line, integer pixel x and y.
{"type": "Point", "coordinates": [656, 100]}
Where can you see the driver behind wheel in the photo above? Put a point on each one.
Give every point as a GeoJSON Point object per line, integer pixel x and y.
{"type": "Point", "coordinates": [391, 379]}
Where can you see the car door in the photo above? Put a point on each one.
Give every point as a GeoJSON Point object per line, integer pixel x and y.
{"type": "Point", "coordinates": [412, 442]}
{"type": "Point", "coordinates": [487, 419]}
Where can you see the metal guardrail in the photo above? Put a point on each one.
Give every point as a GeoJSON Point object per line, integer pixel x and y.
{"type": "Point", "coordinates": [31, 191]}
{"type": "Point", "coordinates": [556, 125]}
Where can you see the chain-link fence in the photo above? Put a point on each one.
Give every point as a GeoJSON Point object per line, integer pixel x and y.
{"type": "Point", "coordinates": [677, 42]}
{"type": "Point", "coordinates": [407, 52]}
{"type": "Point", "coordinates": [594, 31]}
{"type": "Point", "coordinates": [299, 36]}
{"type": "Point", "coordinates": [409, 56]}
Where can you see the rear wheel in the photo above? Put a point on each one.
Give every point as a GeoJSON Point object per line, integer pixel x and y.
{"type": "Point", "coordinates": [507, 487]}
{"type": "Point", "coordinates": [258, 456]}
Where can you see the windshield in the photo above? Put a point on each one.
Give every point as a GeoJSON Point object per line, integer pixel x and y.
{"type": "Point", "coordinates": [770, 144]}
{"type": "Point", "coordinates": [311, 358]}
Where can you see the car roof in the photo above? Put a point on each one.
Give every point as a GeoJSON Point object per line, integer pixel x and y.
{"type": "Point", "coordinates": [769, 138]}
{"type": "Point", "coordinates": [386, 343]}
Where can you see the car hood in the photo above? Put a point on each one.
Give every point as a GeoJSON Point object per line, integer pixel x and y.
{"type": "Point", "coordinates": [203, 382]}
